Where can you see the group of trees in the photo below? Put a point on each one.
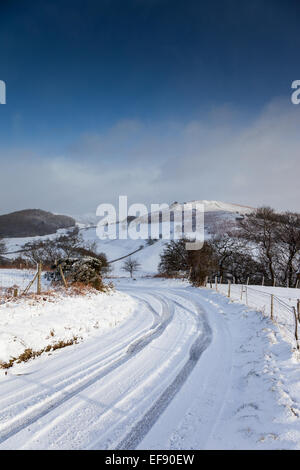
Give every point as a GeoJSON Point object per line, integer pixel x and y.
{"type": "Point", "coordinates": [264, 246]}
{"type": "Point", "coordinates": [71, 255]}
{"type": "Point", "coordinates": [277, 240]}
{"type": "Point", "coordinates": [50, 252]}
{"type": "Point", "coordinates": [58, 250]}
{"type": "Point", "coordinates": [70, 245]}
{"type": "Point", "coordinates": [196, 265]}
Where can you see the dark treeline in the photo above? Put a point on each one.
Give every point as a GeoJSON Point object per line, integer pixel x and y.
{"type": "Point", "coordinates": [264, 247]}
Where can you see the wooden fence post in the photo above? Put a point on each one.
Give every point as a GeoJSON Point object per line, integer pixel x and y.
{"type": "Point", "coordinates": [242, 288]}
{"type": "Point", "coordinates": [216, 283]}
{"type": "Point", "coordinates": [229, 285]}
{"type": "Point", "coordinates": [30, 284]}
{"type": "Point", "coordinates": [39, 288]}
{"type": "Point", "coordinates": [298, 309]}
{"type": "Point", "coordinates": [296, 327]}
{"type": "Point", "coordinates": [272, 307]}
{"type": "Point", "coordinates": [63, 277]}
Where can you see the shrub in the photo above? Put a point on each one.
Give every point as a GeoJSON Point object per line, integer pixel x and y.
{"type": "Point", "coordinates": [86, 271]}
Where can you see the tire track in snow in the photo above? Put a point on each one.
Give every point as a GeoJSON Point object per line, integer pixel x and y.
{"type": "Point", "coordinates": [9, 430]}
{"type": "Point", "coordinates": [90, 363]}
{"type": "Point", "coordinates": [138, 432]}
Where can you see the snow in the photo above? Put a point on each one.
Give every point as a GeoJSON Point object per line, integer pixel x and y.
{"type": "Point", "coordinates": [259, 298]}
{"type": "Point", "coordinates": [186, 369]}
{"type": "Point", "coordinates": [149, 257]}
{"type": "Point", "coordinates": [36, 323]}
{"type": "Point", "coordinates": [208, 206]}
{"type": "Point", "coordinates": [17, 243]}
{"type": "Point", "coordinates": [243, 394]}
{"type": "Point", "coordinates": [20, 278]}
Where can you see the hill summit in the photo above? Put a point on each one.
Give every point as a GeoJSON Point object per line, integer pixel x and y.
{"type": "Point", "coordinates": [32, 222]}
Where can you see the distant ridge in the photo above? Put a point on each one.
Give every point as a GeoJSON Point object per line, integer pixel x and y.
{"type": "Point", "coordinates": [213, 209]}
{"type": "Point", "coordinates": [32, 222]}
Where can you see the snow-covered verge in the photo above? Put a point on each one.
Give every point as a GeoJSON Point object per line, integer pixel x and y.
{"type": "Point", "coordinates": [276, 302]}
{"type": "Point", "coordinates": [37, 323]}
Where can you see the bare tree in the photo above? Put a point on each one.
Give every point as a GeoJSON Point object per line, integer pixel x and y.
{"type": "Point", "coordinates": [261, 228]}
{"type": "Point", "coordinates": [289, 246]}
{"type": "Point", "coordinates": [226, 243]}
{"type": "Point", "coordinates": [70, 245]}
{"type": "Point", "coordinates": [2, 247]}
{"type": "Point", "coordinates": [203, 263]}
{"type": "Point", "coordinates": [45, 251]}
{"type": "Point", "coordinates": [130, 266]}
{"type": "Point", "coordinates": [240, 266]}
{"type": "Point", "coordinates": [265, 245]}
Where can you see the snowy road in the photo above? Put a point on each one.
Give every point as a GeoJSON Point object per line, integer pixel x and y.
{"type": "Point", "coordinates": [107, 394]}
{"type": "Point", "coordinates": [188, 370]}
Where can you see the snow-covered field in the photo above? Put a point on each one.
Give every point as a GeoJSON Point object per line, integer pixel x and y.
{"type": "Point", "coordinates": [19, 278]}
{"type": "Point", "coordinates": [186, 369]}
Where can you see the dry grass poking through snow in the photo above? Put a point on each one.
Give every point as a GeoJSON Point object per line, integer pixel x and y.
{"type": "Point", "coordinates": [75, 289]}
{"type": "Point", "coordinates": [30, 354]}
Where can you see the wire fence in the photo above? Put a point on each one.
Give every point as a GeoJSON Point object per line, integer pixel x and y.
{"type": "Point", "coordinates": [15, 282]}
{"type": "Point", "coordinates": [282, 308]}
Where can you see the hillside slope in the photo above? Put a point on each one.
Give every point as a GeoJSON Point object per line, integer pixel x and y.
{"type": "Point", "coordinates": [32, 222]}
{"type": "Point", "coordinates": [216, 215]}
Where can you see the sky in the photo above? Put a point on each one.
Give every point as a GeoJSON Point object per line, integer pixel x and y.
{"type": "Point", "coordinates": [159, 100]}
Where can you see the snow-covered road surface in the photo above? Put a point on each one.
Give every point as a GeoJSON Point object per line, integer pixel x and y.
{"type": "Point", "coordinates": [95, 394]}
{"type": "Point", "coordinates": [188, 370]}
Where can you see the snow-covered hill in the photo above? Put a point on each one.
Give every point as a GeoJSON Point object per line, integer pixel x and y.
{"type": "Point", "coordinates": [209, 207]}
{"type": "Point", "coordinates": [216, 213]}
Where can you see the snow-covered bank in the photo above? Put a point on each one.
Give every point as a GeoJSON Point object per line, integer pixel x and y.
{"type": "Point", "coordinates": [273, 302]}
{"type": "Point", "coordinates": [36, 323]}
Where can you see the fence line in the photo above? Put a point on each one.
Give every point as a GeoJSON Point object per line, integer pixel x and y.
{"type": "Point", "coordinates": [285, 315]}
{"type": "Point", "coordinates": [15, 282]}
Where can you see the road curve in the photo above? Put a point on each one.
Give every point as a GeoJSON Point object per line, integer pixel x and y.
{"type": "Point", "coordinates": [108, 392]}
